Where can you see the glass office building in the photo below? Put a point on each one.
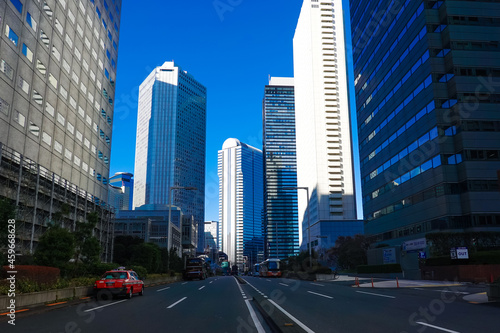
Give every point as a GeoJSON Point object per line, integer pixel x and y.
{"type": "Point", "coordinates": [170, 146]}
{"type": "Point", "coordinates": [121, 190]}
{"type": "Point", "coordinates": [240, 202]}
{"type": "Point", "coordinates": [57, 84]}
{"type": "Point", "coordinates": [281, 225]}
{"type": "Point", "coordinates": [427, 94]}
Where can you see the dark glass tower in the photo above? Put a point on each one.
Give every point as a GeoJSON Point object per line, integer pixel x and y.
{"type": "Point", "coordinates": [281, 226]}
{"type": "Point", "coordinates": [427, 77]}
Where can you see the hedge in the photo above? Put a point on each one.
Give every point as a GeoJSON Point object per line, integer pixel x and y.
{"type": "Point", "coordinates": [40, 274]}
{"type": "Point", "coordinates": [387, 268]}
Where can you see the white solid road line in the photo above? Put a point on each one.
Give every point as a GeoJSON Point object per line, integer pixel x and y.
{"type": "Point", "coordinates": [312, 292]}
{"type": "Point", "coordinates": [436, 327]}
{"type": "Point", "coordinates": [284, 284]}
{"type": "Point", "coordinates": [364, 292]}
{"type": "Point", "coordinates": [163, 289]}
{"type": "Point", "coordinates": [256, 321]}
{"type": "Point", "coordinates": [171, 306]}
{"type": "Point", "coordinates": [304, 327]}
{"type": "Point", "coordinates": [201, 287]}
{"type": "Point", "coordinates": [455, 292]}
{"type": "Point", "coordinates": [317, 284]}
{"type": "Point", "coordinates": [103, 306]}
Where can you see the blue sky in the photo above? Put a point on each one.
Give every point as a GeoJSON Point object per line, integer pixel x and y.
{"type": "Point", "coordinates": [231, 49]}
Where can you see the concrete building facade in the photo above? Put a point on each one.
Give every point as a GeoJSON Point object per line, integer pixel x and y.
{"type": "Point", "coordinates": [57, 80]}
{"type": "Point", "coordinates": [323, 127]}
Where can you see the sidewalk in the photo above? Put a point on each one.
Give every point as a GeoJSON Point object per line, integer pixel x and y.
{"type": "Point", "coordinates": [477, 298]}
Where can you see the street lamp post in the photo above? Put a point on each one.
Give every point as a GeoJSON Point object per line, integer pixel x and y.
{"type": "Point", "coordinates": [169, 243]}
{"type": "Point", "coordinates": [308, 219]}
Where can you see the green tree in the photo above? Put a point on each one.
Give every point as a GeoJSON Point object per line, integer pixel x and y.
{"type": "Point", "coordinates": [55, 248]}
{"type": "Point", "coordinates": [58, 217]}
{"type": "Point", "coordinates": [123, 248]}
{"type": "Point", "coordinates": [174, 262]}
{"type": "Point", "coordinates": [87, 247]}
{"type": "Point", "coordinates": [147, 255]}
{"type": "Point", "coordinates": [350, 252]}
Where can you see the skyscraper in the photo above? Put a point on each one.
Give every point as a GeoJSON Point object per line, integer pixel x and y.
{"type": "Point", "coordinates": [240, 201]}
{"type": "Point", "coordinates": [170, 147]}
{"type": "Point", "coordinates": [323, 130]}
{"type": "Point", "coordinates": [427, 98]}
{"type": "Point", "coordinates": [57, 81]}
{"type": "Point", "coordinates": [281, 226]}
{"type": "Point", "coordinates": [121, 192]}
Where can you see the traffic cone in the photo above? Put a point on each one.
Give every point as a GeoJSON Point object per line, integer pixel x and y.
{"type": "Point", "coordinates": [372, 284]}
{"type": "Point", "coordinates": [397, 282]}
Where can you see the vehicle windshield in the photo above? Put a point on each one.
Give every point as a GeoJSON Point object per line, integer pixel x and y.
{"type": "Point", "coordinates": [114, 275]}
{"type": "Point", "coordinates": [273, 265]}
{"type": "Point", "coordinates": [193, 262]}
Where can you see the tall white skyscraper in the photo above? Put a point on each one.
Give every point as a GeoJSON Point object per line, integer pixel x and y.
{"type": "Point", "coordinates": [323, 130]}
{"type": "Point", "coordinates": [240, 201]}
{"type": "Point", "coordinates": [170, 147]}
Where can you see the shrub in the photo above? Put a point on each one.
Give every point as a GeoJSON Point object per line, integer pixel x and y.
{"type": "Point", "coordinates": [322, 270]}
{"type": "Point", "coordinates": [39, 274]}
{"type": "Point", "coordinates": [387, 268]}
{"type": "Point", "coordinates": [141, 271]}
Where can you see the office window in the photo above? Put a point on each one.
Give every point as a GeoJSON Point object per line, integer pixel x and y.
{"type": "Point", "coordinates": [49, 109]}
{"type": "Point", "coordinates": [27, 53]}
{"type": "Point", "coordinates": [18, 5]}
{"type": "Point", "coordinates": [47, 10]}
{"type": "Point", "coordinates": [20, 118]}
{"type": "Point", "coordinates": [37, 97]}
{"type": "Point", "coordinates": [79, 29]}
{"type": "Point", "coordinates": [47, 138]}
{"type": "Point", "coordinates": [41, 67]}
{"type": "Point", "coordinates": [58, 146]}
{"type": "Point", "coordinates": [6, 69]}
{"type": "Point", "coordinates": [23, 85]}
{"type": "Point", "coordinates": [59, 26]}
{"type": "Point", "coordinates": [34, 129]}
{"type": "Point", "coordinates": [68, 154]}
{"type": "Point", "coordinates": [45, 39]}
{"type": "Point", "coordinates": [11, 35]}
{"type": "Point", "coordinates": [63, 91]}
{"type": "Point", "coordinates": [71, 16]}
{"type": "Point", "coordinates": [60, 119]}
{"type": "Point", "coordinates": [31, 22]}
{"type": "Point", "coordinates": [72, 102]}
{"type": "Point", "coordinates": [4, 107]}
{"type": "Point", "coordinates": [53, 81]}
{"type": "Point", "coordinates": [69, 41]}
{"type": "Point", "coordinates": [78, 54]}
{"type": "Point", "coordinates": [56, 53]}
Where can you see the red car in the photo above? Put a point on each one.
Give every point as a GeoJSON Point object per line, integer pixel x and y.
{"type": "Point", "coordinates": [118, 282]}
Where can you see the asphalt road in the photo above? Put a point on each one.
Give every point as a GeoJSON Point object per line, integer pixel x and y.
{"type": "Point", "coordinates": [221, 304]}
